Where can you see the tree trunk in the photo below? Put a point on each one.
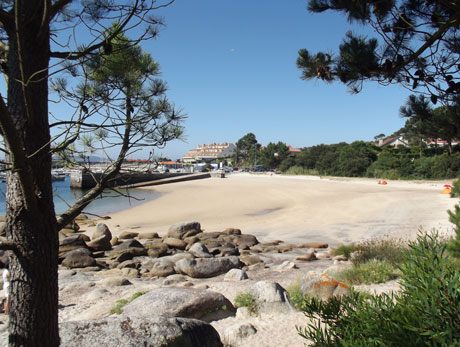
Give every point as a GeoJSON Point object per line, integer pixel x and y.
{"type": "Point", "coordinates": [30, 212]}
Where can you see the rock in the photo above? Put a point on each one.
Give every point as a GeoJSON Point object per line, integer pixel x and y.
{"type": "Point", "coordinates": [71, 243]}
{"type": "Point", "coordinates": [199, 250]}
{"type": "Point", "coordinates": [225, 250]}
{"type": "Point", "coordinates": [322, 285]}
{"type": "Point", "coordinates": [270, 297]}
{"type": "Point", "coordinates": [271, 243]}
{"type": "Point", "coordinates": [148, 236]}
{"type": "Point", "coordinates": [181, 302]}
{"type": "Point", "coordinates": [286, 248]}
{"type": "Point", "coordinates": [131, 331]}
{"type": "Point", "coordinates": [191, 240]}
{"type": "Point", "coordinates": [115, 282]}
{"type": "Point", "coordinates": [207, 267]}
{"type": "Point", "coordinates": [130, 245]}
{"type": "Point", "coordinates": [245, 241]}
{"type": "Point", "coordinates": [285, 265]}
{"type": "Point", "coordinates": [96, 294]}
{"type": "Point", "coordinates": [184, 229]}
{"type": "Point", "coordinates": [66, 273]}
{"type": "Point", "coordinates": [313, 245]}
{"type": "Point", "coordinates": [174, 279]}
{"type": "Point", "coordinates": [129, 264]}
{"type": "Point", "coordinates": [162, 268]}
{"type": "Point", "coordinates": [202, 286]}
{"type": "Point", "coordinates": [130, 273]}
{"type": "Point", "coordinates": [210, 235]}
{"type": "Point", "coordinates": [235, 275]}
{"type": "Point", "coordinates": [212, 243]}
{"type": "Point", "coordinates": [340, 257]}
{"type": "Point", "coordinates": [102, 243]}
{"type": "Point", "coordinates": [114, 241]}
{"type": "Point", "coordinates": [308, 256]}
{"type": "Point", "coordinates": [127, 235]}
{"type": "Point", "coordinates": [323, 255]}
{"type": "Point", "coordinates": [158, 246]}
{"type": "Point", "coordinates": [78, 258]}
{"type": "Point", "coordinates": [235, 333]}
{"type": "Point", "coordinates": [250, 259]}
{"type": "Point", "coordinates": [175, 243]}
{"type": "Point", "coordinates": [232, 231]}
{"type": "Point", "coordinates": [102, 230]}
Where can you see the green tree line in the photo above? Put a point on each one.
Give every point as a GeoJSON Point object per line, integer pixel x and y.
{"type": "Point", "coordinates": [365, 159]}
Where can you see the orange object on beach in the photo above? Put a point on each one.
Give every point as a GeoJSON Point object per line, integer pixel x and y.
{"type": "Point", "coordinates": [446, 190]}
{"type": "Point", "coordinates": [383, 182]}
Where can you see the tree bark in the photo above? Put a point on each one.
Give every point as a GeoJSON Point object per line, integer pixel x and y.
{"type": "Point", "coordinates": [31, 221]}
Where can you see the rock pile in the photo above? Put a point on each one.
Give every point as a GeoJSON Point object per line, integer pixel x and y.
{"type": "Point", "coordinates": [180, 313]}
{"type": "Point", "coordinates": [185, 249]}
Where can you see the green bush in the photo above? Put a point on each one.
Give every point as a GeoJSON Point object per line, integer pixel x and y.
{"type": "Point", "coordinates": [345, 250]}
{"type": "Point", "coordinates": [455, 192]}
{"type": "Point", "coordinates": [247, 300]}
{"type": "Point", "coordinates": [374, 271]}
{"type": "Point", "coordinates": [424, 313]}
{"type": "Point", "coordinates": [296, 297]}
{"type": "Point", "coordinates": [388, 249]}
{"type": "Point", "coordinates": [454, 244]}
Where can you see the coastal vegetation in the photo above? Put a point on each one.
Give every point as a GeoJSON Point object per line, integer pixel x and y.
{"type": "Point", "coordinates": [424, 312]}
{"type": "Point", "coordinates": [365, 159]}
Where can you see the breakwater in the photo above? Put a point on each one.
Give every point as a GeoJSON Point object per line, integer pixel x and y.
{"type": "Point", "coordinates": [84, 180]}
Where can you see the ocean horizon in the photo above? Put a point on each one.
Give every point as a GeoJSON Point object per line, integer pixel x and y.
{"type": "Point", "coordinates": [108, 202]}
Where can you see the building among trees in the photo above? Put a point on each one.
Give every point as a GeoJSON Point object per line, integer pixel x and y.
{"type": "Point", "coordinates": [209, 153]}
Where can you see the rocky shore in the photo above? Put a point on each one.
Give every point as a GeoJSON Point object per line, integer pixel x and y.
{"type": "Point", "coordinates": [182, 286]}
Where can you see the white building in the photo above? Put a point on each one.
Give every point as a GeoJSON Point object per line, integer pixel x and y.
{"type": "Point", "coordinates": [209, 153]}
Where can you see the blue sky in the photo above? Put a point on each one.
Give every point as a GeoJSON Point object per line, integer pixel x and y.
{"type": "Point", "coordinates": [231, 66]}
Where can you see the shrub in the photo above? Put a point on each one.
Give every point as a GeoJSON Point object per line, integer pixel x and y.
{"type": "Point", "coordinates": [424, 313]}
{"type": "Point", "coordinates": [388, 249]}
{"type": "Point", "coordinates": [345, 250]}
{"type": "Point", "coordinates": [374, 271]}
{"type": "Point", "coordinates": [296, 297]}
{"type": "Point", "coordinates": [247, 300]}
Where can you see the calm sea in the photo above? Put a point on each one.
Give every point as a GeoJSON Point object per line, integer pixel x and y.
{"type": "Point", "coordinates": [107, 203]}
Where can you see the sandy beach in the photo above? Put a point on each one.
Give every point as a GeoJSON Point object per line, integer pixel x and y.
{"type": "Point", "coordinates": [295, 208]}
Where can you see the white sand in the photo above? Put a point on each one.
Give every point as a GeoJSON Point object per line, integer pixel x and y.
{"type": "Point", "coordinates": [295, 208]}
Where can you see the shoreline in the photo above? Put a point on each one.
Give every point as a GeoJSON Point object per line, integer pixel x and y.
{"type": "Point", "coordinates": [294, 208]}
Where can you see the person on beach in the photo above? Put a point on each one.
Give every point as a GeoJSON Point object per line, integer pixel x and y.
{"type": "Point", "coordinates": [6, 288]}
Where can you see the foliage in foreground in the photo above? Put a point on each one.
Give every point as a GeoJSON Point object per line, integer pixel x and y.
{"type": "Point", "coordinates": [454, 217]}
{"type": "Point", "coordinates": [425, 312]}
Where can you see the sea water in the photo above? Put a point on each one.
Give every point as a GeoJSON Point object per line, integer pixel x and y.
{"type": "Point", "coordinates": [108, 202]}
